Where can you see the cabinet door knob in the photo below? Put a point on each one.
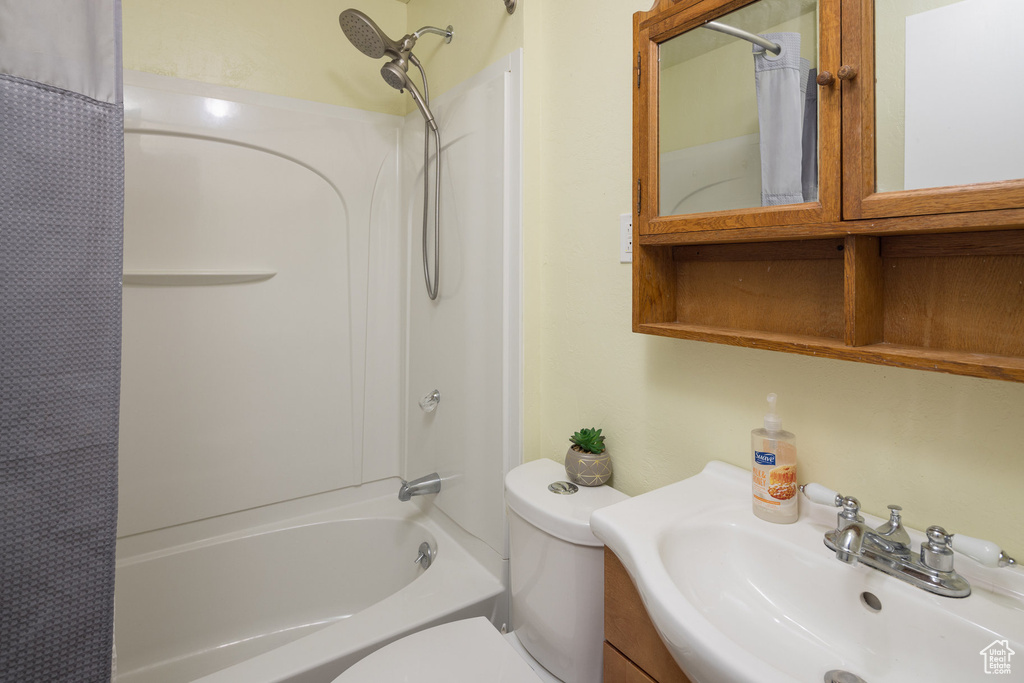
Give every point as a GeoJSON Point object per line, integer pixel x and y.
{"type": "Point", "coordinates": [825, 78]}
{"type": "Point", "coordinates": [847, 72]}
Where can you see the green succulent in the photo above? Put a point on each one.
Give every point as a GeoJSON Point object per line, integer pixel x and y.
{"type": "Point", "coordinates": [588, 440]}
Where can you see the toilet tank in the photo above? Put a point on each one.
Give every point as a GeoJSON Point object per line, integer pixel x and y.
{"type": "Point", "coordinates": [557, 570]}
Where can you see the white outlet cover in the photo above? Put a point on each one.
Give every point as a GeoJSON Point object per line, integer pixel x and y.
{"type": "Point", "coordinates": [626, 238]}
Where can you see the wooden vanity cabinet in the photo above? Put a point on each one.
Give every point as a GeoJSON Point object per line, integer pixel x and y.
{"type": "Point", "coordinates": [928, 278]}
{"type": "Point", "coordinates": [633, 651]}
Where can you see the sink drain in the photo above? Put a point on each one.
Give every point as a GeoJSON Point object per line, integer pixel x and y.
{"type": "Point", "coordinates": [871, 601]}
{"type": "Point", "coordinates": [840, 676]}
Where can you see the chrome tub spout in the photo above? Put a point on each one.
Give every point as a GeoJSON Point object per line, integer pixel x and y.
{"type": "Point", "coordinates": [419, 487]}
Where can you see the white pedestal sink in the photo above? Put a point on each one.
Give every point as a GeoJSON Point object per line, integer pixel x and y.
{"type": "Point", "coordinates": [740, 600]}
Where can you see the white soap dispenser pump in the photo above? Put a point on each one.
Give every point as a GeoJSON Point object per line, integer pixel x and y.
{"type": "Point", "coordinates": [773, 469]}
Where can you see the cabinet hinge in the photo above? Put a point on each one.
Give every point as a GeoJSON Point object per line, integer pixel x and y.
{"type": "Point", "coordinates": [638, 69]}
{"type": "Point", "coordinates": [639, 195]}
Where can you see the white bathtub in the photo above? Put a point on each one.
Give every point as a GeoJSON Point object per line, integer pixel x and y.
{"type": "Point", "coordinates": [297, 600]}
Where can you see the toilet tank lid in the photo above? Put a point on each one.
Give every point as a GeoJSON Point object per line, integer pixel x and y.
{"type": "Point", "coordinates": [564, 516]}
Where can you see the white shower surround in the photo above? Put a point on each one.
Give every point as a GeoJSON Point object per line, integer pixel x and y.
{"type": "Point", "coordinates": [275, 190]}
{"type": "Point", "coordinates": [241, 395]}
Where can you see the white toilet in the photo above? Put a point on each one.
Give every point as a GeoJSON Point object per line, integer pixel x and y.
{"type": "Point", "coordinates": [557, 573]}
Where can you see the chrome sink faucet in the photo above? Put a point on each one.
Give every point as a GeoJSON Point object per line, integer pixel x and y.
{"type": "Point", "coordinates": [888, 550]}
{"type": "Point", "coordinates": [851, 533]}
{"type": "Point", "coordinates": [431, 483]}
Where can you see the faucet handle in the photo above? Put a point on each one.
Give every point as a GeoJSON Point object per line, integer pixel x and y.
{"type": "Point", "coordinates": [850, 513]}
{"type": "Point", "coordinates": [984, 552]}
{"type": "Point", "coordinates": [935, 552]}
{"type": "Point", "coordinates": [817, 493]}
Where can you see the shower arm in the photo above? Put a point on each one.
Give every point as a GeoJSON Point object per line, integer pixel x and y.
{"type": "Point", "coordinates": [448, 33]}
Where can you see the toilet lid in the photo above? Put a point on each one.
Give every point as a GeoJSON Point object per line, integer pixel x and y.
{"type": "Point", "coordinates": [467, 651]}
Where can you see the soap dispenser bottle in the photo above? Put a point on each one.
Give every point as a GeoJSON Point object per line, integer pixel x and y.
{"type": "Point", "coordinates": [774, 469]}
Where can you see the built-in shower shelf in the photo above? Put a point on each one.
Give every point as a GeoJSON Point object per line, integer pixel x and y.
{"type": "Point", "coordinates": [193, 278]}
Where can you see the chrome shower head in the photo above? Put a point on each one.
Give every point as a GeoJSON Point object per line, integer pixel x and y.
{"type": "Point", "coordinates": [366, 35]}
{"type": "Point", "coordinates": [369, 39]}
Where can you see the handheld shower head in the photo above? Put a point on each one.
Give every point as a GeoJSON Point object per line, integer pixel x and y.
{"type": "Point", "coordinates": [396, 74]}
{"type": "Point", "coordinates": [366, 35]}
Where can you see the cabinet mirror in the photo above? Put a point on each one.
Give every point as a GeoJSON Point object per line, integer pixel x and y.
{"type": "Point", "coordinates": [738, 110]}
{"type": "Point", "coordinates": [945, 113]}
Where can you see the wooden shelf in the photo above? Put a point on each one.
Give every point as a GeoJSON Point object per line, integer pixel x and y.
{"type": "Point", "coordinates": [895, 355]}
{"type": "Point", "coordinates": [946, 302]}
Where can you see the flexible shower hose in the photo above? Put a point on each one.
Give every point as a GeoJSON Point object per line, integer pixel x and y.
{"type": "Point", "coordinates": [432, 287]}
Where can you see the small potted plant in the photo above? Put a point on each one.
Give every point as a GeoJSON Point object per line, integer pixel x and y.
{"type": "Point", "coordinates": [587, 461]}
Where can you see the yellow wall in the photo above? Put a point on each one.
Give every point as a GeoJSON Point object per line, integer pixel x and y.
{"type": "Point", "coordinates": [944, 447]}
{"type": "Point", "coordinates": [484, 33]}
{"type": "Point", "coordinates": [295, 49]}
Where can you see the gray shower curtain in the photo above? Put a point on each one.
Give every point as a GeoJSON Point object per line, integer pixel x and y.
{"type": "Point", "coordinates": [61, 206]}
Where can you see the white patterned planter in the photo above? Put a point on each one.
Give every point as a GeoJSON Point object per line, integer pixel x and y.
{"type": "Point", "coordinates": [588, 469]}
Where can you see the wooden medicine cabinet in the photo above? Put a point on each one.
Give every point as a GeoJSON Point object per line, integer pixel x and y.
{"type": "Point", "coordinates": [859, 195]}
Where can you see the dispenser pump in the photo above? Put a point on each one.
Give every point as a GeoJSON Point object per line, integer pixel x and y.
{"type": "Point", "coordinates": [772, 421]}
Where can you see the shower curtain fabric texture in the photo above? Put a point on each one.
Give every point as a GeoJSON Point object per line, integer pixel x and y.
{"type": "Point", "coordinates": [61, 211]}
{"type": "Point", "coordinates": [787, 113]}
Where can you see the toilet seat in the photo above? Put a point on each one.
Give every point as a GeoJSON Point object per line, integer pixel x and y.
{"type": "Point", "coordinates": [467, 651]}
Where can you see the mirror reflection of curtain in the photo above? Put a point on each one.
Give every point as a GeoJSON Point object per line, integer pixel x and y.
{"type": "Point", "coordinates": [787, 119]}
{"type": "Point", "coordinates": [61, 204]}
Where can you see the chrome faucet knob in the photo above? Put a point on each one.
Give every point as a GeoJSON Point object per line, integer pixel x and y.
{"type": "Point", "coordinates": [935, 552]}
{"type": "Point", "coordinates": [937, 537]}
{"type": "Point", "coordinates": [850, 514]}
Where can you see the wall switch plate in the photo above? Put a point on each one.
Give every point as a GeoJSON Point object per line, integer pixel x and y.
{"type": "Point", "coordinates": [626, 238]}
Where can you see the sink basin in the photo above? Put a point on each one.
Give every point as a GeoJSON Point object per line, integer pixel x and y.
{"type": "Point", "coordinates": [737, 599]}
